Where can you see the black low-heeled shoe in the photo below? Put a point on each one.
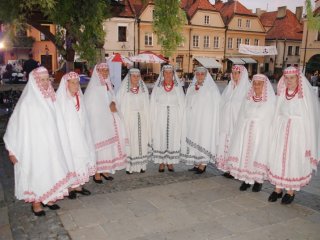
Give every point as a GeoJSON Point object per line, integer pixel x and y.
{"type": "Point", "coordinates": [38, 214]}
{"type": "Point", "coordinates": [257, 187]}
{"type": "Point", "coordinates": [108, 178]}
{"type": "Point", "coordinates": [244, 186]}
{"type": "Point", "coordinates": [194, 169]}
{"type": "Point", "coordinates": [99, 181]}
{"type": "Point", "coordinates": [127, 172]}
{"type": "Point", "coordinates": [228, 175]}
{"type": "Point", "coordinates": [199, 171]}
{"type": "Point", "coordinates": [287, 199]}
{"type": "Point", "coordinates": [51, 207]}
{"type": "Point", "coordinates": [142, 171]}
{"type": "Point", "coordinates": [274, 196]}
{"type": "Point", "coordinates": [72, 195]}
{"type": "Point", "coordinates": [83, 191]}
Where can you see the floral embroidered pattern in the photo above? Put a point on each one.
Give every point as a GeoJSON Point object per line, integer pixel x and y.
{"type": "Point", "coordinates": [105, 143]}
{"type": "Point", "coordinates": [285, 148]}
{"type": "Point", "coordinates": [200, 148]}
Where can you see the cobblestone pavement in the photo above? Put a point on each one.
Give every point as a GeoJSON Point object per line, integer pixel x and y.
{"type": "Point", "coordinates": [75, 217]}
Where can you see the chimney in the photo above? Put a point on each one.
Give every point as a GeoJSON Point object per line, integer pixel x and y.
{"type": "Point", "coordinates": [259, 12]}
{"type": "Point", "coordinates": [299, 11]}
{"type": "Point", "coordinates": [282, 12]}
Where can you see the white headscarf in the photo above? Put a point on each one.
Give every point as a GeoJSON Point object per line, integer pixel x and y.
{"type": "Point", "coordinates": [267, 91]}
{"type": "Point", "coordinates": [232, 97]}
{"type": "Point", "coordinates": [159, 84]}
{"type": "Point", "coordinates": [78, 129]}
{"type": "Point", "coordinates": [310, 115]}
{"type": "Point", "coordinates": [36, 136]}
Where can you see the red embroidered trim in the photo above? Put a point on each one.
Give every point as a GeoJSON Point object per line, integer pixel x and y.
{"type": "Point", "coordinates": [285, 148]}
{"type": "Point", "coordinates": [106, 142]}
{"type": "Point", "coordinates": [249, 144]}
{"type": "Point", "coordinates": [63, 184]}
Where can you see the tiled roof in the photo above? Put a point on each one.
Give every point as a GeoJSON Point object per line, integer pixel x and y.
{"type": "Point", "coordinates": [230, 8]}
{"type": "Point", "coordinates": [287, 27]}
{"type": "Point", "coordinates": [128, 10]}
{"type": "Point", "coordinates": [200, 5]}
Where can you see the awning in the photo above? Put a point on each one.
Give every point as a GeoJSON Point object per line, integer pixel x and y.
{"type": "Point", "coordinates": [248, 60]}
{"type": "Point", "coordinates": [208, 62]}
{"type": "Point", "coordinates": [236, 60]}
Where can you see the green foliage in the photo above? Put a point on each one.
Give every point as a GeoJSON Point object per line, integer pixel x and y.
{"type": "Point", "coordinates": [313, 20]}
{"type": "Point", "coordinates": [79, 22]}
{"type": "Point", "coordinates": [168, 24]}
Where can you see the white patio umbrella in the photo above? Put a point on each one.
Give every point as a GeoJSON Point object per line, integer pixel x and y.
{"type": "Point", "coordinates": [147, 57]}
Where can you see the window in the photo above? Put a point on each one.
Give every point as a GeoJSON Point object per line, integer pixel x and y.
{"type": "Point", "coordinates": [206, 41]}
{"type": "Point", "coordinates": [179, 62]}
{"type": "Point", "coordinates": [206, 20]}
{"type": "Point", "coordinates": [318, 37]}
{"type": "Point", "coordinates": [230, 41]}
{"type": "Point", "coordinates": [238, 42]}
{"type": "Point", "coordinates": [247, 41]}
{"type": "Point", "coordinates": [216, 42]}
{"type": "Point", "coordinates": [290, 50]}
{"type": "Point", "coordinates": [122, 34]}
{"type": "Point", "coordinates": [248, 23]}
{"type": "Point", "coordinates": [148, 39]}
{"type": "Point", "coordinates": [239, 23]}
{"type": "Point", "coordinates": [195, 41]}
{"type": "Point", "coordinates": [297, 50]}
{"type": "Point", "coordinates": [256, 42]}
{"type": "Point", "coordinates": [42, 36]}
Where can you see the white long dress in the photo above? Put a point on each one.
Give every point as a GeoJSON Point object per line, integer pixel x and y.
{"type": "Point", "coordinates": [250, 145]}
{"type": "Point", "coordinates": [231, 100]}
{"type": "Point", "coordinates": [294, 151]}
{"type": "Point", "coordinates": [135, 110]}
{"type": "Point", "coordinates": [35, 138]}
{"type": "Point", "coordinates": [107, 128]}
{"type": "Point", "coordinates": [78, 130]}
{"type": "Point", "coordinates": [166, 114]}
{"type": "Point", "coordinates": [201, 123]}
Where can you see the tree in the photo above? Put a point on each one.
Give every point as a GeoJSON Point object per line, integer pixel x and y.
{"type": "Point", "coordinates": [79, 21]}
{"type": "Point", "coordinates": [313, 19]}
{"type": "Point", "coordinates": [168, 24]}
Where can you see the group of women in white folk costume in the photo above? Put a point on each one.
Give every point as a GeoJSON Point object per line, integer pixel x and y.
{"type": "Point", "coordinates": [56, 142]}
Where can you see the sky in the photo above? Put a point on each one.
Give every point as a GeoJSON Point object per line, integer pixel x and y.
{"type": "Point", "coordinates": [270, 5]}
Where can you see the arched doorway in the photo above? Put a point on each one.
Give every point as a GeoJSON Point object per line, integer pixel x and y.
{"type": "Point", "coordinates": [313, 64]}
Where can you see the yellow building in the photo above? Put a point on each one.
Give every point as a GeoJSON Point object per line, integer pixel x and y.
{"type": "Point", "coordinates": [310, 47]}
{"type": "Point", "coordinates": [242, 27]}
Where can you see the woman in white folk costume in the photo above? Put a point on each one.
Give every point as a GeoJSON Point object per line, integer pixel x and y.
{"type": "Point", "coordinates": [71, 102]}
{"type": "Point", "coordinates": [250, 145]}
{"type": "Point", "coordinates": [295, 142]}
{"type": "Point", "coordinates": [133, 100]}
{"type": "Point", "coordinates": [201, 121]}
{"type": "Point", "coordinates": [36, 146]}
{"type": "Point", "coordinates": [231, 100]}
{"type": "Point", "coordinates": [107, 128]}
{"type": "Point", "coordinates": [166, 111]}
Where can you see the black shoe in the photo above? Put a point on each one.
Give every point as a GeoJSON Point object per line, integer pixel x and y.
{"type": "Point", "coordinates": [256, 187]}
{"type": "Point", "coordinates": [287, 199]}
{"type": "Point", "coordinates": [72, 195]}
{"type": "Point", "coordinates": [274, 196]}
{"type": "Point", "coordinates": [199, 171]}
{"type": "Point", "coordinates": [51, 207]}
{"type": "Point", "coordinates": [38, 214]}
{"type": "Point", "coordinates": [109, 178]}
{"type": "Point", "coordinates": [244, 186]}
{"type": "Point", "coordinates": [127, 172]}
{"type": "Point", "coordinates": [228, 175]}
{"type": "Point", "coordinates": [83, 191]}
{"type": "Point", "coordinates": [194, 169]}
{"type": "Point", "coordinates": [99, 181]}
{"type": "Point", "coordinates": [142, 171]}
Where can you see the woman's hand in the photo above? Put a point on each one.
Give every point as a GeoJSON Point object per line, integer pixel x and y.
{"type": "Point", "coordinates": [13, 159]}
{"type": "Point", "coordinates": [113, 107]}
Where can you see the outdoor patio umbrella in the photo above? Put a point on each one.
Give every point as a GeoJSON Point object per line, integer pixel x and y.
{"type": "Point", "coordinates": [147, 57]}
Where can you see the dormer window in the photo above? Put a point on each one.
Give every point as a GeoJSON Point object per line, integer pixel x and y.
{"type": "Point", "coordinates": [239, 23]}
{"type": "Point", "coordinates": [206, 20]}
